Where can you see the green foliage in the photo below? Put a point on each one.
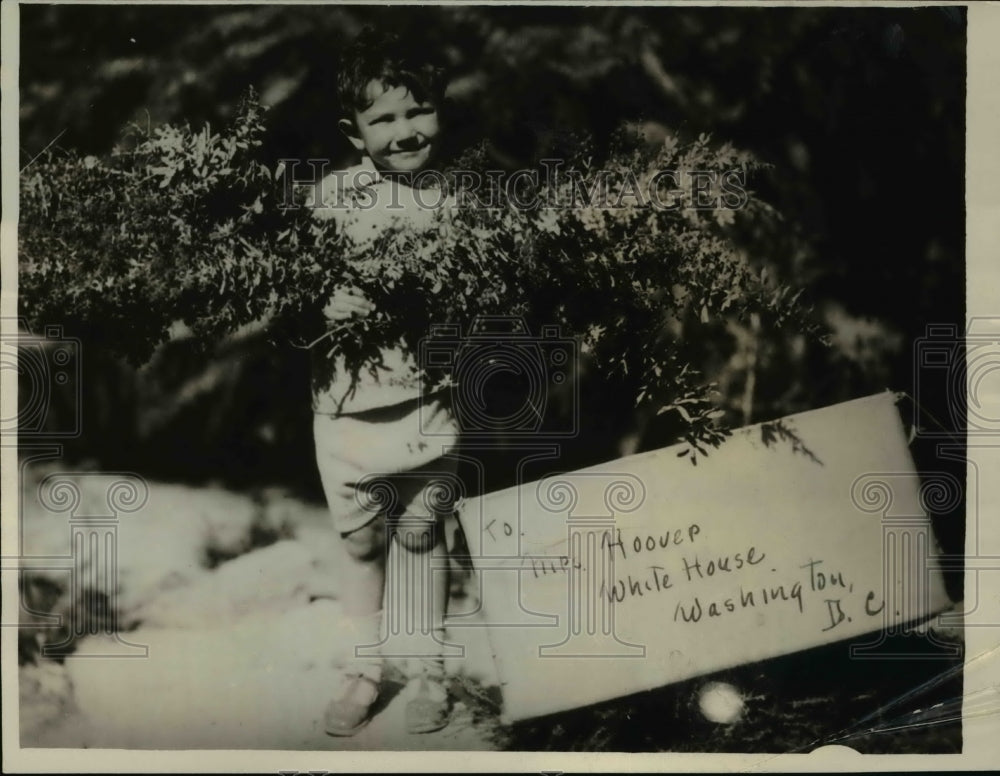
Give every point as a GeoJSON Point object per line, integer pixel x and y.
{"type": "Point", "coordinates": [191, 226]}
{"type": "Point", "coordinates": [855, 108]}
{"type": "Point", "coordinates": [167, 230]}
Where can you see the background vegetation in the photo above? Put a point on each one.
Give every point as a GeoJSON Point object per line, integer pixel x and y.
{"type": "Point", "coordinates": [860, 115]}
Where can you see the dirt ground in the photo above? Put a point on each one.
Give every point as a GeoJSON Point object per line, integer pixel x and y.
{"type": "Point", "coordinates": [229, 632]}
{"type": "Point", "coordinates": [229, 635]}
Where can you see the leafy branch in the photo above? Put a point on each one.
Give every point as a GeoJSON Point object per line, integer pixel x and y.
{"type": "Point", "coordinates": [191, 225]}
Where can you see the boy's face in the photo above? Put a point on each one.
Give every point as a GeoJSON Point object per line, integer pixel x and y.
{"type": "Point", "coordinates": [395, 130]}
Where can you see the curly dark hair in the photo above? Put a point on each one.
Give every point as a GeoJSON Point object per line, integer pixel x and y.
{"type": "Point", "coordinates": [387, 57]}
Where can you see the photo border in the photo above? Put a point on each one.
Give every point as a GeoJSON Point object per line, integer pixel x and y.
{"type": "Point", "coordinates": [981, 739]}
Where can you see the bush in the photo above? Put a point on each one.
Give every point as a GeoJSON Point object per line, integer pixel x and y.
{"type": "Point", "coordinates": [192, 227]}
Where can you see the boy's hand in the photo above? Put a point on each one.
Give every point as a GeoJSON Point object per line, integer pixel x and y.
{"type": "Point", "coordinates": [345, 303]}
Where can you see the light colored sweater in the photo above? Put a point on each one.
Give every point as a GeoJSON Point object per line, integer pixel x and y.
{"type": "Point", "coordinates": [397, 379]}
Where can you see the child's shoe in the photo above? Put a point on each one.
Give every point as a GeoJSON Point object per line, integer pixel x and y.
{"type": "Point", "coordinates": [429, 707]}
{"type": "Point", "coordinates": [351, 710]}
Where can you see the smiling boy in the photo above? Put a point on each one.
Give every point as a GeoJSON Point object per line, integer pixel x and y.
{"type": "Point", "coordinates": [367, 426]}
{"type": "Point", "coordinates": [397, 129]}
